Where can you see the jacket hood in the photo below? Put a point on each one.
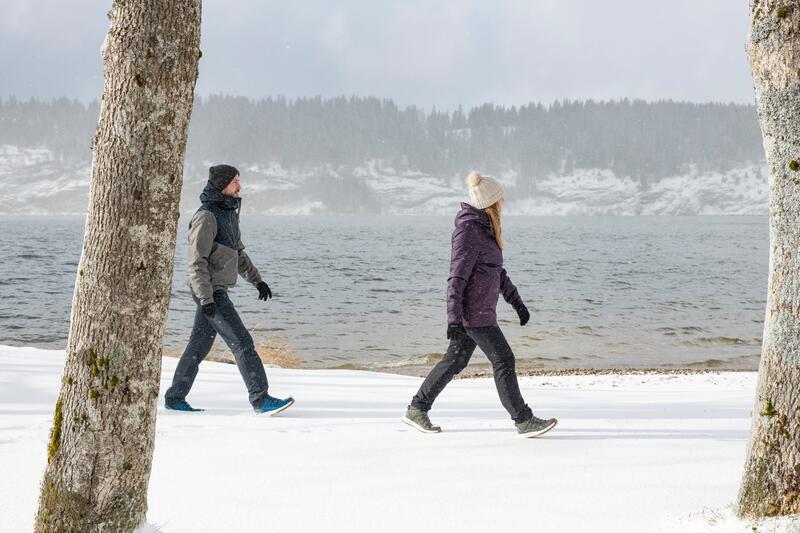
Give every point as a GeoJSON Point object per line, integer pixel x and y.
{"type": "Point", "coordinates": [471, 214]}
{"type": "Point", "coordinates": [211, 195]}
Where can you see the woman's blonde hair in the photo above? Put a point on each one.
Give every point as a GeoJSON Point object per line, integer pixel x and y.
{"type": "Point", "coordinates": [494, 217]}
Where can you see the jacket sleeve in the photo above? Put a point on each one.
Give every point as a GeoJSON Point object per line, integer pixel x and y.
{"type": "Point", "coordinates": [202, 231]}
{"type": "Point", "coordinates": [246, 267]}
{"type": "Point", "coordinates": [509, 291]}
{"type": "Point", "coordinates": [463, 257]}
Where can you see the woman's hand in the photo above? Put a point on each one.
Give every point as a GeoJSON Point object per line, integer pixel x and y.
{"type": "Point", "coordinates": [455, 331]}
{"type": "Point", "coordinates": [524, 315]}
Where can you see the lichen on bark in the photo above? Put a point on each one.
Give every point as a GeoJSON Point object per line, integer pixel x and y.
{"type": "Point", "coordinates": [55, 431]}
{"type": "Point", "coordinates": [771, 478]}
{"type": "Point", "coordinates": [100, 448]}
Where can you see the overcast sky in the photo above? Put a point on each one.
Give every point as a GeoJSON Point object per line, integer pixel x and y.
{"type": "Point", "coordinates": [423, 52]}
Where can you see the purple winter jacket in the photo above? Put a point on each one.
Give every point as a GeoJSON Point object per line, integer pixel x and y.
{"type": "Point", "coordinates": [477, 276]}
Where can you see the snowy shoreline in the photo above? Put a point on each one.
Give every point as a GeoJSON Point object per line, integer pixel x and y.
{"type": "Point", "coordinates": [483, 370]}
{"type": "Point", "coordinates": [634, 452]}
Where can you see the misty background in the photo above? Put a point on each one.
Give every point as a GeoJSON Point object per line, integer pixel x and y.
{"type": "Point", "coordinates": [443, 53]}
{"type": "Point", "coordinates": [621, 108]}
{"type": "Point", "coordinates": [356, 107]}
{"type": "Point", "coordinates": [365, 155]}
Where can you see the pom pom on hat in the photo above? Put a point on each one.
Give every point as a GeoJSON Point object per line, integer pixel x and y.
{"type": "Point", "coordinates": [483, 190]}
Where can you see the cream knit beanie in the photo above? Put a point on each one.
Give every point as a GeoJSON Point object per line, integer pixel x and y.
{"type": "Point", "coordinates": [483, 191]}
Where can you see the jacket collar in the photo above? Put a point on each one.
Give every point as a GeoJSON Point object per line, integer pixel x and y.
{"type": "Point", "coordinates": [212, 196]}
{"type": "Point", "coordinates": [472, 214]}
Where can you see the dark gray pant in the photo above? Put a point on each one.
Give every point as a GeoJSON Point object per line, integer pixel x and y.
{"type": "Point", "coordinates": [227, 323]}
{"type": "Point", "coordinates": [493, 343]}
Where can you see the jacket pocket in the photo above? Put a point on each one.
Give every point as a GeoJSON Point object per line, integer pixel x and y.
{"type": "Point", "coordinates": [223, 265]}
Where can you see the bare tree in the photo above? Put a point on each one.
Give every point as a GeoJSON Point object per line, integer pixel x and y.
{"type": "Point", "coordinates": [771, 481]}
{"type": "Point", "coordinates": [101, 443]}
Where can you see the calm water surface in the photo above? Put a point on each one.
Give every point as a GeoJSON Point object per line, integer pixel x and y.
{"type": "Point", "coordinates": [369, 291]}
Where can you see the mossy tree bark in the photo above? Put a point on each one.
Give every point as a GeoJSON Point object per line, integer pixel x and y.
{"type": "Point", "coordinates": [101, 443]}
{"type": "Point", "coordinates": [771, 481]}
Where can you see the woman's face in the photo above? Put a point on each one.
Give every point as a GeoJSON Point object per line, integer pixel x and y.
{"type": "Point", "coordinates": [500, 203]}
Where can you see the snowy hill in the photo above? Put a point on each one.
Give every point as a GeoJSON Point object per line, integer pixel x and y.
{"type": "Point", "coordinates": [37, 182]}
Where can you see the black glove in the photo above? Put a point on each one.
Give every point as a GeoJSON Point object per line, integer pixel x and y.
{"type": "Point", "coordinates": [524, 315]}
{"type": "Point", "coordinates": [455, 331]}
{"type": "Point", "coordinates": [210, 310]}
{"type": "Point", "coordinates": [263, 291]}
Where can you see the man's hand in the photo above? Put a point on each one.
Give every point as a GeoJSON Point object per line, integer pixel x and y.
{"type": "Point", "coordinates": [263, 291]}
{"type": "Point", "coordinates": [210, 310]}
{"type": "Point", "coordinates": [524, 315]}
{"type": "Point", "coordinates": [455, 331]}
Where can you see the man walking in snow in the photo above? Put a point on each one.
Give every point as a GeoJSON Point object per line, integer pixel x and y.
{"type": "Point", "coordinates": [216, 257]}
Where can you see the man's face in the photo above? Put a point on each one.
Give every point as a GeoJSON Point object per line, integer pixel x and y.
{"type": "Point", "coordinates": [233, 188]}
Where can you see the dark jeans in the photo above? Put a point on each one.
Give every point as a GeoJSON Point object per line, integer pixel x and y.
{"type": "Point", "coordinates": [493, 343]}
{"type": "Point", "coordinates": [227, 323]}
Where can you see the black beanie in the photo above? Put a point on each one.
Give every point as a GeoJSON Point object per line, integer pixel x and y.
{"type": "Point", "coordinates": [220, 176]}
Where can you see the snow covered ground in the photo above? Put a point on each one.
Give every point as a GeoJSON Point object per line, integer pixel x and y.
{"type": "Point", "coordinates": [631, 453]}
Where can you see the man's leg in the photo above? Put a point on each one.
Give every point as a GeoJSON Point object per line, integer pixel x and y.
{"type": "Point", "coordinates": [493, 343]}
{"type": "Point", "coordinates": [200, 342]}
{"type": "Point", "coordinates": [230, 327]}
{"type": "Point", "coordinates": [455, 360]}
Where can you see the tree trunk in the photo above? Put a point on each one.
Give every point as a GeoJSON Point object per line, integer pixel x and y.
{"type": "Point", "coordinates": [101, 443]}
{"type": "Point", "coordinates": [771, 481]}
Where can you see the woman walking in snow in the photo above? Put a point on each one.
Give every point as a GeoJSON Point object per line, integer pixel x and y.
{"type": "Point", "coordinates": [477, 278]}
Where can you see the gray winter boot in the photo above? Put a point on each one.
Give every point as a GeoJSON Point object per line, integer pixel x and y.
{"type": "Point", "coordinates": [418, 419]}
{"type": "Point", "coordinates": [535, 427]}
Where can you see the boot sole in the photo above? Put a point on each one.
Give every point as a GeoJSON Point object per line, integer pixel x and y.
{"type": "Point", "coordinates": [416, 426]}
{"type": "Point", "coordinates": [192, 410]}
{"type": "Point", "coordinates": [538, 433]}
{"type": "Point", "coordinates": [276, 411]}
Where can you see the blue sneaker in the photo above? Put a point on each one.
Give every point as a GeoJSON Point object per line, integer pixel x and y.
{"type": "Point", "coordinates": [181, 406]}
{"type": "Point", "coordinates": [273, 406]}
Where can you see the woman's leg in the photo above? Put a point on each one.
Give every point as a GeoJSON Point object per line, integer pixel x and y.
{"type": "Point", "coordinates": [493, 343]}
{"type": "Point", "coordinates": [455, 360]}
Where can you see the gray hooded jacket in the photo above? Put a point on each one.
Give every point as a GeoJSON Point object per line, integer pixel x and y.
{"type": "Point", "coordinates": [216, 252]}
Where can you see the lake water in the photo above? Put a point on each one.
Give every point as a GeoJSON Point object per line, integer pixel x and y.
{"type": "Point", "coordinates": [368, 292]}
